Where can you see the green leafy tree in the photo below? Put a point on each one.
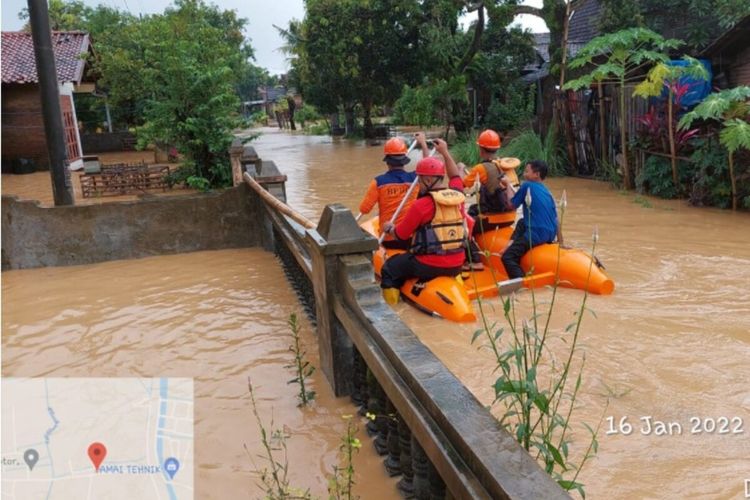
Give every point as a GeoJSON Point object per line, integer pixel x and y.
{"type": "Point", "coordinates": [250, 79]}
{"type": "Point", "coordinates": [416, 106]}
{"type": "Point", "coordinates": [189, 57]}
{"type": "Point", "coordinates": [667, 76]}
{"type": "Point", "coordinates": [449, 53]}
{"type": "Point", "coordinates": [622, 55]}
{"type": "Point", "coordinates": [63, 16]}
{"type": "Point", "coordinates": [345, 53]}
{"type": "Point", "coordinates": [732, 109]}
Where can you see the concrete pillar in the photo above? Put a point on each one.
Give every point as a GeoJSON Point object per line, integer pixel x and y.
{"type": "Point", "coordinates": [235, 157]}
{"type": "Point", "coordinates": [337, 234]}
{"type": "Point", "coordinates": [268, 176]}
{"type": "Point", "coordinates": [392, 463]}
{"type": "Point", "coordinates": [406, 484]}
{"type": "Point", "coordinates": [250, 161]}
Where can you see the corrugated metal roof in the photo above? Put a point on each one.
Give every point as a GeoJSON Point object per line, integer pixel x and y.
{"type": "Point", "coordinates": [19, 64]}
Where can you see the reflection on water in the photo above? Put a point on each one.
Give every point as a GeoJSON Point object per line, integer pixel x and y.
{"type": "Point", "coordinates": [673, 342]}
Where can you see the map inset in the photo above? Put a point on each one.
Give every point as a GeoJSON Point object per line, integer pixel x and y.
{"type": "Point", "coordinates": [93, 438]}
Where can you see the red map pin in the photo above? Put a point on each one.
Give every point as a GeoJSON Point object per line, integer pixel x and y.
{"type": "Point", "coordinates": [97, 452]}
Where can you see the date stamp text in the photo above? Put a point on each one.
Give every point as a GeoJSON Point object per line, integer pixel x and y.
{"type": "Point", "coordinates": [651, 426]}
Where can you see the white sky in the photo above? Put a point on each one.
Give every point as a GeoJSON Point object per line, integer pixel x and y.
{"type": "Point", "coordinates": [261, 16]}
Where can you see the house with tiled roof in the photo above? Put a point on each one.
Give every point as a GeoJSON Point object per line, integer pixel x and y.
{"type": "Point", "coordinates": [23, 137]}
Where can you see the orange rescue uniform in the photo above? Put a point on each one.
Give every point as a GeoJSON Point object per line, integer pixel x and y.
{"type": "Point", "coordinates": [387, 190]}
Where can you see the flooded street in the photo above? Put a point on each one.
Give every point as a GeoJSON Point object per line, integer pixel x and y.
{"type": "Point", "coordinates": [672, 342]}
{"type": "Point", "coordinates": [219, 317]}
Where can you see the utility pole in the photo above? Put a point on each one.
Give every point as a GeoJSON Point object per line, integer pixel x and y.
{"type": "Point", "coordinates": [50, 97]}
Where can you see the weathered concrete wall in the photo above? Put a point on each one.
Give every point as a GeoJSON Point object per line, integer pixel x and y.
{"type": "Point", "coordinates": [33, 236]}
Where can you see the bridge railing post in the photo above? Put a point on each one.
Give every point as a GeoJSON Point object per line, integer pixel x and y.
{"type": "Point", "coordinates": [235, 159]}
{"type": "Point", "coordinates": [267, 174]}
{"type": "Point", "coordinates": [337, 234]}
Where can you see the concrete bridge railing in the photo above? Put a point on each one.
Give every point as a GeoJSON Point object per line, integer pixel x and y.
{"type": "Point", "coordinates": [431, 430]}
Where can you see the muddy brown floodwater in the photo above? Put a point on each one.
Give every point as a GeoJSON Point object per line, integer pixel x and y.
{"type": "Point", "coordinates": [672, 343]}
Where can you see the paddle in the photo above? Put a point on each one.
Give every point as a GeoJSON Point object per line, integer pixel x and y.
{"type": "Point", "coordinates": [404, 200]}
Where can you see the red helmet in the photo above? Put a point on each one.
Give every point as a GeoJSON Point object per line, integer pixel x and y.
{"type": "Point", "coordinates": [489, 139]}
{"type": "Point", "coordinates": [430, 166]}
{"type": "Point", "coordinates": [395, 146]}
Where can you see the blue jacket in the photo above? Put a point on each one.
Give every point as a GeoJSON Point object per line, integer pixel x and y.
{"type": "Point", "coordinates": [541, 219]}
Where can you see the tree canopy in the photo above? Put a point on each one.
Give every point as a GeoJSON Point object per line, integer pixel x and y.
{"type": "Point", "coordinates": [345, 53]}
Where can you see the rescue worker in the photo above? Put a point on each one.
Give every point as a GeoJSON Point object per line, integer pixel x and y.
{"type": "Point", "coordinates": [388, 189]}
{"type": "Point", "coordinates": [494, 209]}
{"type": "Point", "coordinates": [494, 203]}
{"type": "Point", "coordinates": [436, 224]}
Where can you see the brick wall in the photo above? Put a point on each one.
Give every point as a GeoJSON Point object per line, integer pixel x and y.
{"type": "Point", "coordinates": [23, 125]}
{"type": "Point", "coordinates": [23, 128]}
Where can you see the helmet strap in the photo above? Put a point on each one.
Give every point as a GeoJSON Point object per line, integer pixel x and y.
{"type": "Point", "coordinates": [433, 183]}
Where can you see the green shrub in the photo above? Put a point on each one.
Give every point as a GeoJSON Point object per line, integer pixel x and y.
{"type": "Point", "coordinates": [711, 185]}
{"type": "Point", "coordinates": [306, 113]}
{"type": "Point", "coordinates": [259, 118]}
{"type": "Point", "coordinates": [416, 106]}
{"type": "Point", "coordinates": [465, 149]}
{"type": "Point", "coordinates": [318, 128]}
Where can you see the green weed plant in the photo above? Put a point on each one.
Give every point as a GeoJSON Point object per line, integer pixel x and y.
{"type": "Point", "coordinates": [274, 475]}
{"type": "Point", "coordinates": [302, 368]}
{"type": "Point", "coordinates": [538, 410]}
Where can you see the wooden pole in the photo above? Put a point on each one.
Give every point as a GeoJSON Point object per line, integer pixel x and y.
{"type": "Point", "coordinates": [602, 121]}
{"type": "Point", "coordinates": [278, 204]}
{"type": "Point", "coordinates": [54, 132]}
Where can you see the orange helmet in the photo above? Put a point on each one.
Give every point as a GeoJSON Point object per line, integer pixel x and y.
{"type": "Point", "coordinates": [395, 146]}
{"type": "Point", "coordinates": [489, 139]}
{"type": "Point", "coordinates": [430, 166]}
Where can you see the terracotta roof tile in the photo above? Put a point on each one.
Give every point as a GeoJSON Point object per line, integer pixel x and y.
{"type": "Point", "coordinates": [19, 65]}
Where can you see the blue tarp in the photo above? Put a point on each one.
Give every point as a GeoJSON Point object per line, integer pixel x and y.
{"type": "Point", "coordinates": [699, 88]}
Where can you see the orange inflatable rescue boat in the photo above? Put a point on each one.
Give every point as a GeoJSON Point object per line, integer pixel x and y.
{"type": "Point", "coordinates": [450, 298]}
{"type": "Point", "coordinates": [577, 268]}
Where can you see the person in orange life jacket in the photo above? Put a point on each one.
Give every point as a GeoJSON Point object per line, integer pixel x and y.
{"type": "Point", "coordinates": [436, 224]}
{"type": "Point", "coordinates": [539, 225]}
{"type": "Point", "coordinates": [494, 203]}
{"type": "Point", "coordinates": [388, 189]}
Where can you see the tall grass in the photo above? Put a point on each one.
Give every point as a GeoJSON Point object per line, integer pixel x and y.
{"type": "Point", "coordinates": [466, 150]}
{"type": "Point", "coordinates": [528, 145]}
{"type": "Point", "coordinates": [303, 370]}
